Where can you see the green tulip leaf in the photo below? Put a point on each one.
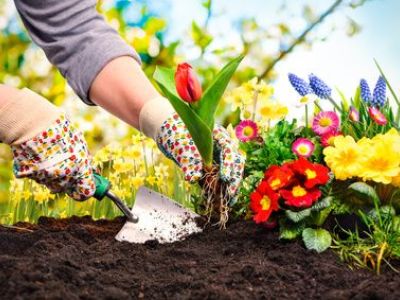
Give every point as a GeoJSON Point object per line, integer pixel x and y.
{"type": "Point", "coordinates": [212, 96]}
{"type": "Point", "coordinates": [200, 132]}
{"type": "Point", "coordinates": [317, 239]}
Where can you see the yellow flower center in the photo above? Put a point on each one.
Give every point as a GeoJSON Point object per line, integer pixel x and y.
{"type": "Point", "coordinates": [248, 131]}
{"type": "Point", "coordinates": [303, 149]}
{"type": "Point", "coordinates": [325, 122]}
{"type": "Point", "coordinates": [265, 203]}
{"type": "Point", "coordinates": [298, 191]}
{"type": "Point", "coordinates": [347, 157]}
{"type": "Point", "coordinates": [311, 174]}
{"type": "Point", "coordinates": [304, 100]}
{"type": "Point", "coordinates": [379, 164]}
{"type": "Point", "coordinates": [275, 183]}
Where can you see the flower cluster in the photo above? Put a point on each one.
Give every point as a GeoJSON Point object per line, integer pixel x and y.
{"type": "Point", "coordinates": [375, 159]}
{"type": "Point", "coordinates": [310, 91]}
{"type": "Point", "coordinates": [254, 100]}
{"type": "Point", "coordinates": [295, 183]}
{"type": "Point", "coordinates": [378, 98]}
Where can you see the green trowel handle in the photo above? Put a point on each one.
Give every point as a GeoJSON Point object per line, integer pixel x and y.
{"type": "Point", "coordinates": [103, 185]}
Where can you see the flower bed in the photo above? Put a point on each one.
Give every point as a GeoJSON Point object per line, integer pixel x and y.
{"type": "Point", "coordinates": [78, 257]}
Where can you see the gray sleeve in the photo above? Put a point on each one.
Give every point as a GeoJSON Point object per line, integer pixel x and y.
{"type": "Point", "coordinates": [75, 38]}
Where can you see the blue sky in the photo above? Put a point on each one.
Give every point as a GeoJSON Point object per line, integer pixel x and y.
{"type": "Point", "coordinates": [341, 61]}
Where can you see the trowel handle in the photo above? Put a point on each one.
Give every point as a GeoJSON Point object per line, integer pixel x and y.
{"type": "Point", "coordinates": [103, 186]}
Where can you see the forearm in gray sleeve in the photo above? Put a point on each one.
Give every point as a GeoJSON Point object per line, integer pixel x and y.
{"type": "Point", "coordinates": [75, 38]}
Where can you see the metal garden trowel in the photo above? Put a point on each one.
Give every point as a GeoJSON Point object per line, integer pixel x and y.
{"type": "Point", "coordinates": [153, 216]}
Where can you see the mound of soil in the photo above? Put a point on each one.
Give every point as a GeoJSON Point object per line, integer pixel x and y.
{"type": "Point", "coordinates": [79, 258]}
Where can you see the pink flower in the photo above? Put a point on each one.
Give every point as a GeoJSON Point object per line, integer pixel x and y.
{"type": "Point", "coordinates": [354, 115]}
{"type": "Point", "coordinates": [246, 130]}
{"type": "Point", "coordinates": [303, 147]}
{"type": "Point", "coordinates": [376, 115]}
{"type": "Point", "coordinates": [187, 84]}
{"type": "Point", "coordinates": [327, 138]}
{"type": "Point", "coordinates": [324, 122]}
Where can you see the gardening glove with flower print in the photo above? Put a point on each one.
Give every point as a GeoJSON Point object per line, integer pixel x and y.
{"type": "Point", "coordinates": [46, 147]}
{"type": "Point", "coordinates": [176, 143]}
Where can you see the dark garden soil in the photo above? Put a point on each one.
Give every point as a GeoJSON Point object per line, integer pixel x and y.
{"type": "Point", "coordinates": [79, 258]}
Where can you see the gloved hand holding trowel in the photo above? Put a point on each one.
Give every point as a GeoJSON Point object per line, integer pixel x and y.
{"type": "Point", "coordinates": [102, 69]}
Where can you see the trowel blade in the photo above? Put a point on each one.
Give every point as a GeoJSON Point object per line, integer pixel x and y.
{"type": "Point", "coordinates": [160, 218]}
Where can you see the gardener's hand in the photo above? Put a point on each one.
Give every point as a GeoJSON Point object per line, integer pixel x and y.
{"type": "Point", "coordinates": [175, 142]}
{"type": "Point", "coordinates": [45, 146]}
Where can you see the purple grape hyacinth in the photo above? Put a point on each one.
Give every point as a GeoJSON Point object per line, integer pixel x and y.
{"type": "Point", "coordinates": [379, 96]}
{"type": "Point", "coordinates": [365, 92]}
{"type": "Point", "coordinates": [320, 88]}
{"type": "Point", "coordinates": [300, 85]}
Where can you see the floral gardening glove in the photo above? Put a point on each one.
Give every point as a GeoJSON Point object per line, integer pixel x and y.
{"type": "Point", "coordinates": [46, 147]}
{"type": "Point", "coordinates": [176, 143]}
{"type": "Point", "coordinates": [58, 158]}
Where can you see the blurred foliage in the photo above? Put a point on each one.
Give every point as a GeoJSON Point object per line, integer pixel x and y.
{"type": "Point", "coordinates": [140, 24]}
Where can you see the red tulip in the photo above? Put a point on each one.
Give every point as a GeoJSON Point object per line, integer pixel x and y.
{"type": "Point", "coordinates": [187, 84]}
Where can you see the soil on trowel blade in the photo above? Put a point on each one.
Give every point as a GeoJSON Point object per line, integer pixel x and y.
{"type": "Point", "coordinates": [79, 258]}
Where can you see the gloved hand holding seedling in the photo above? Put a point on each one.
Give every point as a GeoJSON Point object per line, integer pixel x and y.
{"type": "Point", "coordinates": [203, 150]}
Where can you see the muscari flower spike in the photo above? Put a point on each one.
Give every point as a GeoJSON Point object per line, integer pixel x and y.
{"type": "Point", "coordinates": [365, 92]}
{"type": "Point", "coordinates": [300, 85]}
{"type": "Point", "coordinates": [320, 88]}
{"type": "Point", "coordinates": [379, 96]}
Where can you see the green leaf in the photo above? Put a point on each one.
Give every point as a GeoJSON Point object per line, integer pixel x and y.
{"type": "Point", "coordinates": [297, 216]}
{"type": "Point", "coordinates": [344, 101]}
{"type": "Point", "coordinates": [166, 77]}
{"type": "Point", "coordinates": [365, 190]}
{"type": "Point", "coordinates": [317, 239]}
{"type": "Point", "coordinates": [324, 203]}
{"type": "Point", "coordinates": [200, 36]}
{"type": "Point", "coordinates": [289, 230]}
{"type": "Point", "coordinates": [289, 233]}
{"type": "Point", "coordinates": [209, 102]}
{"type": "Point", "coordinates": [357, 98]}
{"type": "Point", "coordinates": [201, 134]}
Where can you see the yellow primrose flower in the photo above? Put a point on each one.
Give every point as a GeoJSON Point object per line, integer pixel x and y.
{"type": "Point", "coordinates": [234, 100]}
{"type": "Point", "coordinates": [381, 164]}
{"type": "Point", "coordinates": [264, 90]}
{"type": "Point", "coordinates": [382, 159]}
{"type": "Point", "coordinates": [344, 158]}
{"type": "Point", "coordinates": [272, 111]}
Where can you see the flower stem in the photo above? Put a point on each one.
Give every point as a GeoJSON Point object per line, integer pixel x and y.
{"type": "Point", "coordinates": [306, 115]}
{"type": "Point", "coordinates": [335, 104]}
{"type": "Point", "coordinates": [317, 105]}
{"type": "Point", "coordinates": [255, 100]}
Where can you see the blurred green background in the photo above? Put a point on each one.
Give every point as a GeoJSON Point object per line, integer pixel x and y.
{"type": "Point", "coordinates": [335, 39]}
